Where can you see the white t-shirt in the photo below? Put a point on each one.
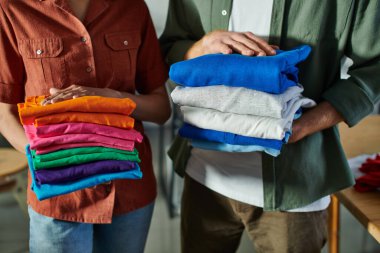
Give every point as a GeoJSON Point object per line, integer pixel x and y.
{"type": "Point", "coordinates": [239, 175]}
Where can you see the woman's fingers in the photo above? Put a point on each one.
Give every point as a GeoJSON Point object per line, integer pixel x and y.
{"type": "Point", "coordinates": [58, 95]}
{"type": "Point", "coordinates": [54, 91]}
{"type": "Point", "coordinates": [61, 97]}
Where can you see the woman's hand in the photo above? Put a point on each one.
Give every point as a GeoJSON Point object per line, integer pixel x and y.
{"type": "Point", "coordinates": [153, 107]}
{"type": "Point", "coordinates": [245, 43]}
{"type": "Point", "coordinates": [75, 91]}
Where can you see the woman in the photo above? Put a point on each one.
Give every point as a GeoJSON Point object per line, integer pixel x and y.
{"type": "Point", "coordinates": [76, 48]}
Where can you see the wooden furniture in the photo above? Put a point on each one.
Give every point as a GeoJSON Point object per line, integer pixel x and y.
{"type": "Point", "coordinates": [11, 163]}
{"type": "Point", "coordinates": [364, 138]}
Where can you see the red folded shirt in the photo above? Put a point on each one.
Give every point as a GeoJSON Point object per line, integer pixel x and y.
{"type": "Point", "coordinates": [371, 180]}
{"type": "Point", "coordinates": [371, 165]}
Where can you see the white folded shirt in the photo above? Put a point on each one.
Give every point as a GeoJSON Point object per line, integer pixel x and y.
{"type": "Point", "coordinates": [241, 100]}
{"type": "Point", "coordinates": [246, 125]}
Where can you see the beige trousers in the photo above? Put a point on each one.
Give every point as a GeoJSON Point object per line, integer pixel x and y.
{"type": "Point", "coordinates": [212, 223]}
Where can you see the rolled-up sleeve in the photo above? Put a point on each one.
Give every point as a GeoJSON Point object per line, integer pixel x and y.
{"type": "Point", "coordinates": [355, 97]}
{"type": "Point", "coordinates": [152, 71]}
{"type": "Point", "coordinates": [12, 72]}
{"type": "Point", "coordinates": [177, 37]}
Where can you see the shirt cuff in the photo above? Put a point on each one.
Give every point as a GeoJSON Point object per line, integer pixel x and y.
{"type": "Point", "coordinates": [350, 100]}
{"type": "Point", "coordinates": [11, 93]}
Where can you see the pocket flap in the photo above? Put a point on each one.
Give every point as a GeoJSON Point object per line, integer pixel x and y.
{"type": "Point", "coordinates": [123, 40]}
{"type": "Point", "coordinates": [41, 48]}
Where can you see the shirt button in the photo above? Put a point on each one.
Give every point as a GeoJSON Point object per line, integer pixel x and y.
{"type": "Point", "coordinates": [83, 39]}
{"type": "Point", "coordinates": [224, 12]}
{"type": "Point", "coordinates": [39, 51]}
{"type": "Point", "coordinates": [88, 69]}
{"type": "Point", "coordinates": [125, 42]}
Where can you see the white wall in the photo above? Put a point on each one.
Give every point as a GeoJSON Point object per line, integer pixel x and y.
{"type": "Point", "coordinates": [158, 10]}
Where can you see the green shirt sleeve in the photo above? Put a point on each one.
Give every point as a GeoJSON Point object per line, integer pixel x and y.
{"type": "Point", "coordinates": [356, 96]}
{"type": "Point", "coordinates": [177, 37]}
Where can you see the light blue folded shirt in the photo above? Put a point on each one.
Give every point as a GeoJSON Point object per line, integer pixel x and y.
{"type": "Point", "coordinates": [216, 146]}
{"type": "Point", "coordinates": [45, 191]}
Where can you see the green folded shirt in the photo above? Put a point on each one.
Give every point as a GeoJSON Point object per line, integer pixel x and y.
{"type": "Point", "coordinates": [77, 151]}
{"type": "Point", "coordinates": [81, 155]}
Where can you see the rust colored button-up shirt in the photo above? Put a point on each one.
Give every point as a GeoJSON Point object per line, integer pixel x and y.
{"type": "Point", "coordinates": [43, 45]}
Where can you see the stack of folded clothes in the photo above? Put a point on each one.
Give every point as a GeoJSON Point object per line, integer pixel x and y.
{"type": "Point", "coordinates": [79, 143]}
{"type": "Point", "coordinates": [238, 103]}
{"type": "Point", "coordinates": [370, 181]}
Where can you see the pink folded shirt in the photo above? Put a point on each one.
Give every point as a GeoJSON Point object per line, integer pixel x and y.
{"type": "Point", "coordinates": [53, 148]}
{"type": "Point", "coordinates": [84, 128]}
{"type": "Point", "coordinates": [38, 142]}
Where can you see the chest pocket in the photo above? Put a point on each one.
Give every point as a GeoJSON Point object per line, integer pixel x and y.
{"type": "Point", "coordinates": [44, 63]}
{"type": "Point", "coordinates": [123, 49]}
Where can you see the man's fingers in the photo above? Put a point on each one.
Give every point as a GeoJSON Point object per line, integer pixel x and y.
{"type": "Point", "coordinates": [262, 44]}
{"type": "Point", "coordinates": [252, 47]}
{"type": "Point", "coordinates": [245, 43]}
{"type": "Point", "coordinates": [275, 47]}
{"type": "Point", "coordinates": [224, 49]}
{"type": "Point", "coordinates": [239, 47]}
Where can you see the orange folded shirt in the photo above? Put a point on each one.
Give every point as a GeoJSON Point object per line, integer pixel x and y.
{"type": "Point", "coordinates": [32, 101]}
{"type": "Point", "coordinates": [32, 108]}
{"type": "Point", "coordinates": [108, 119]}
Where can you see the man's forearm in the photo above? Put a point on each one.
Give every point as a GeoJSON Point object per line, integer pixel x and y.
{"type": "Point", "coordinates": [317, 119]}
{"type": "Point", "coordinates": [11, 128]}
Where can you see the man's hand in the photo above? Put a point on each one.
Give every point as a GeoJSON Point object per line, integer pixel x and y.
{"type": "Point", "coordinates": [245, 43]}
{"type": "Point", "coordinates": [75, 91]}
{"type": "Point", "coordinates": [317, 119]}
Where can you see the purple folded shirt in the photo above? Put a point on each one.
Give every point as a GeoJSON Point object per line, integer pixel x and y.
{"type": "Point", "coordinates": [72, 173]}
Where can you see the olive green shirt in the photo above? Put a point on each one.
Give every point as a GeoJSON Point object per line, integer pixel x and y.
{"type": "Point", "coordinates": [316, 165]}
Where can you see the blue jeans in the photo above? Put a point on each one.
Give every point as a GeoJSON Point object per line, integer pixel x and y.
{"type": "Point", "coordinates": [127, 233]}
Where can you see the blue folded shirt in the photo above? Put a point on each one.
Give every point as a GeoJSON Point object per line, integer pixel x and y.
{"type": "Point", "coordinates": [192, 132]}
{"type": "Point", "coordinates": [45, 191]}
{"type": "Point", "coordinates": [272, 74]}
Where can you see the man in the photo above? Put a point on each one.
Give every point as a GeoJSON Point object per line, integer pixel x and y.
{"type": "Point", "coordinates": [312, 166]}
{"type": "Point", "coordinates": [69, 49]}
